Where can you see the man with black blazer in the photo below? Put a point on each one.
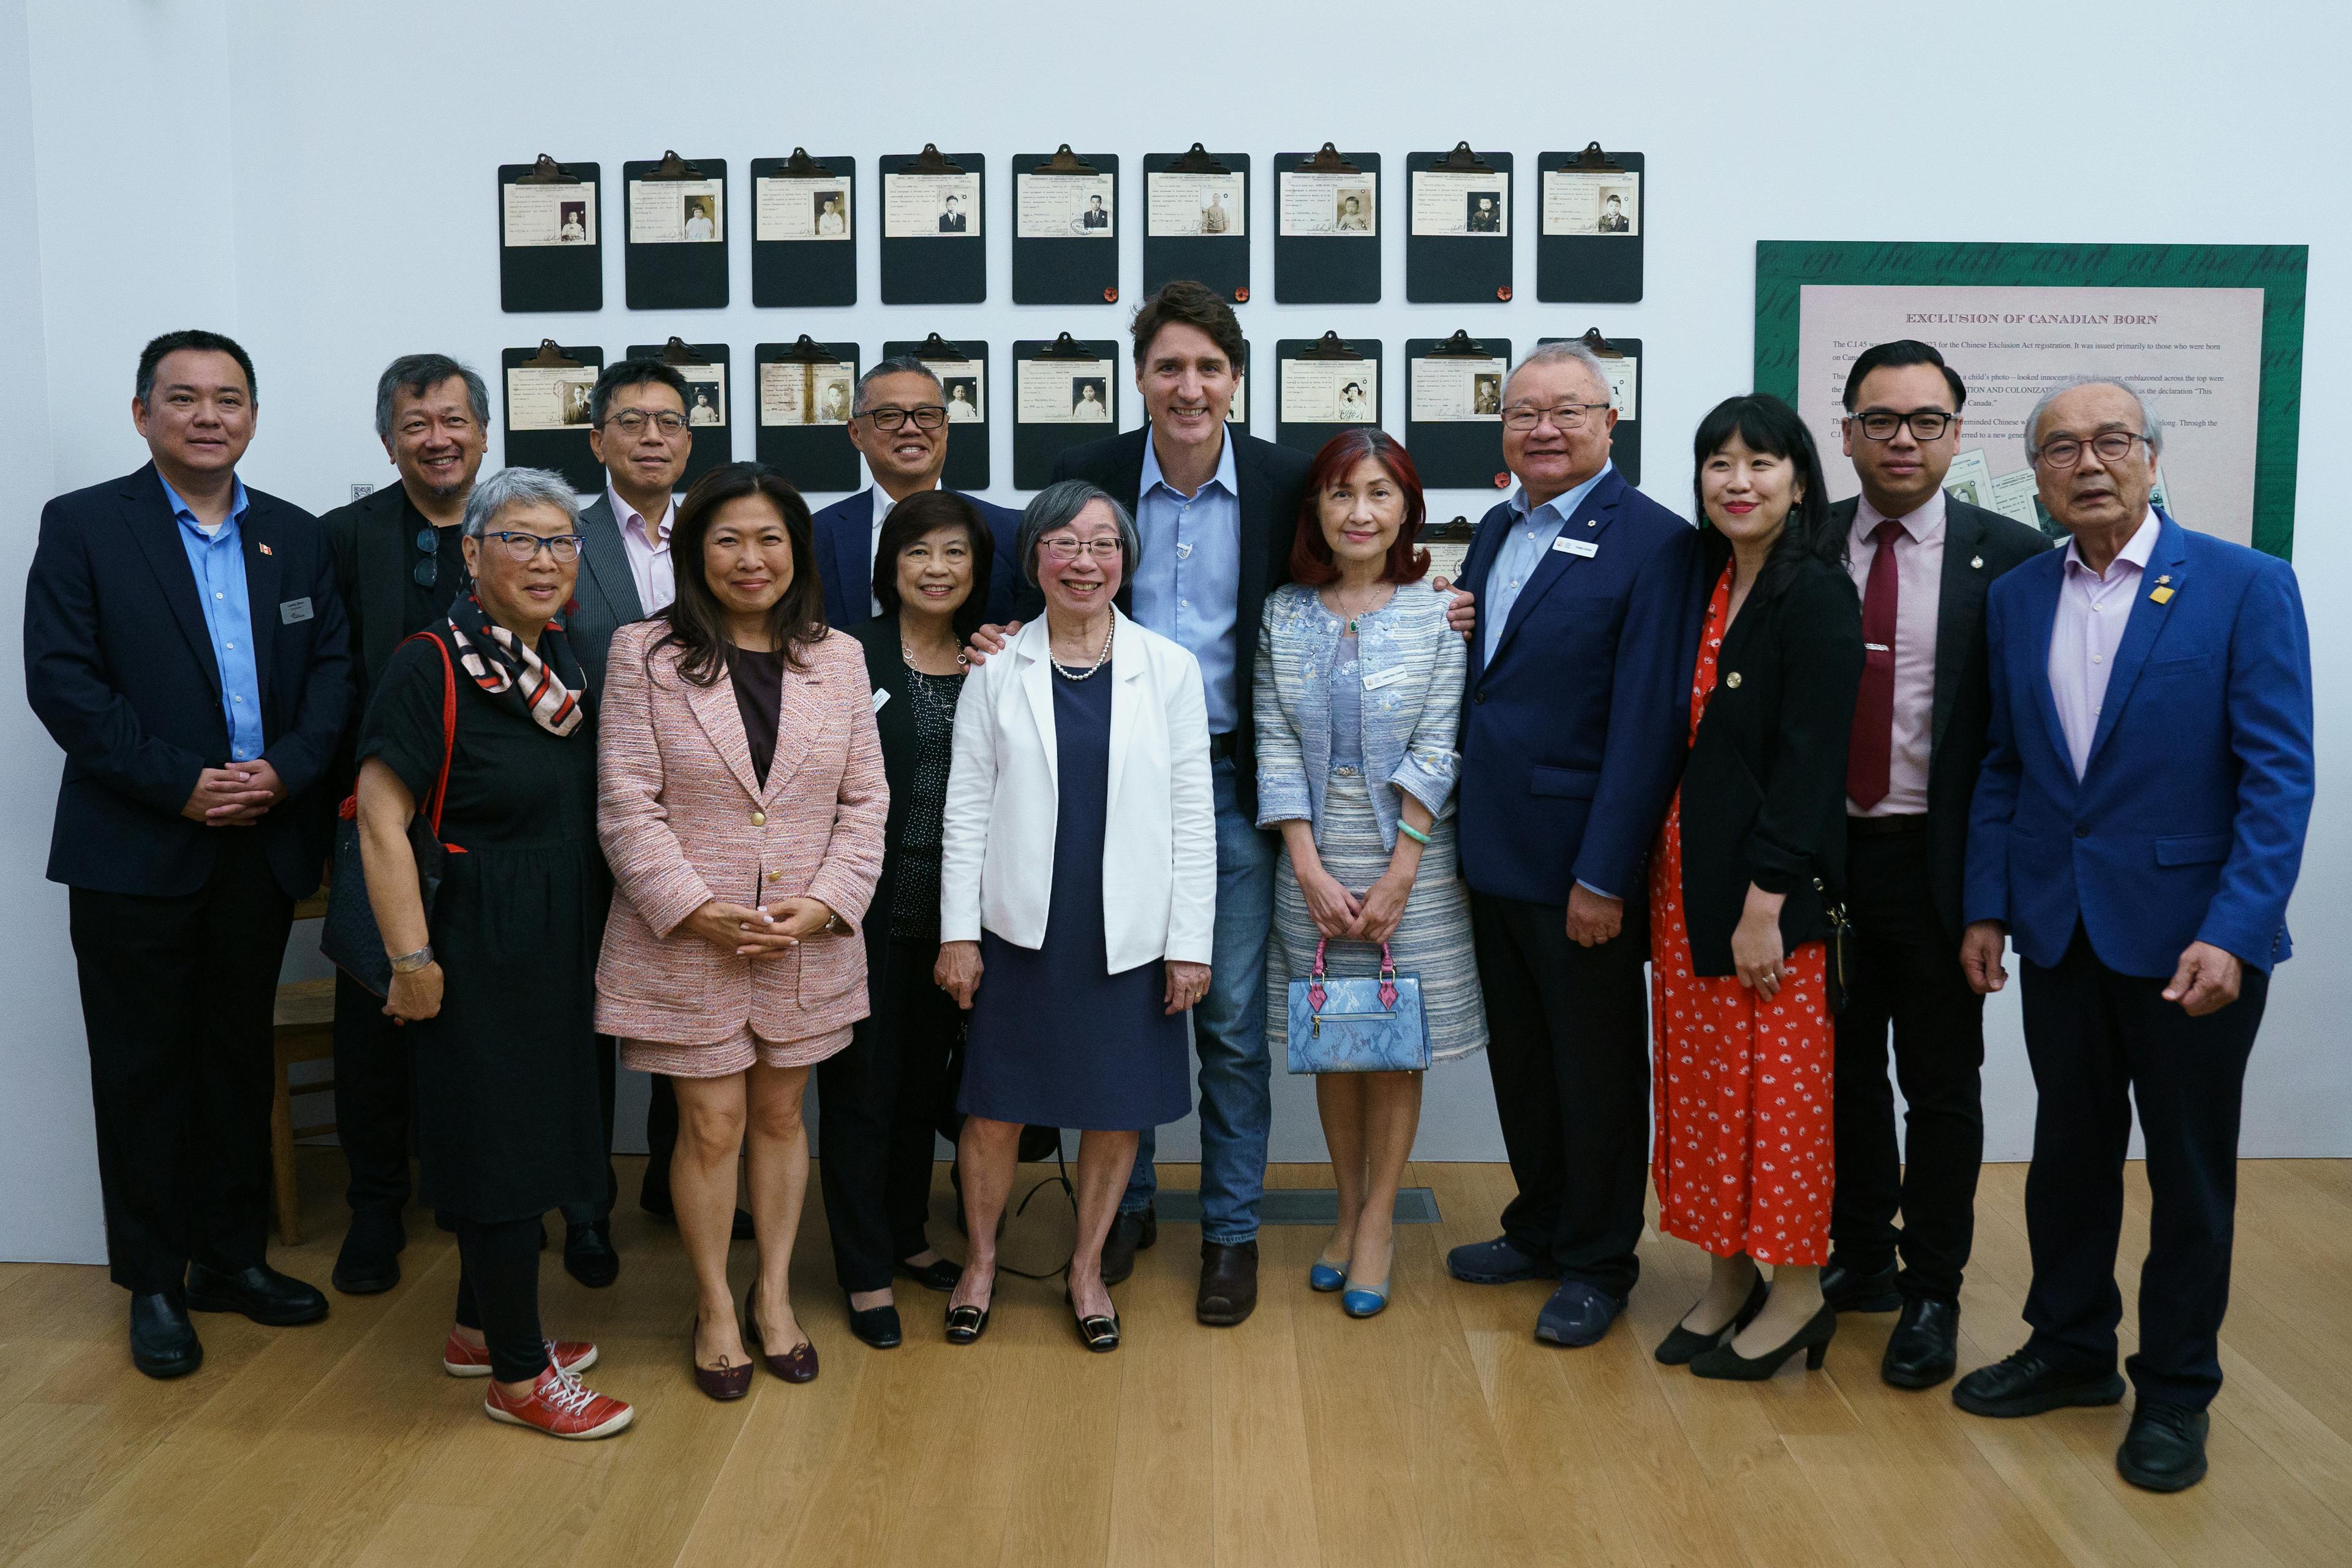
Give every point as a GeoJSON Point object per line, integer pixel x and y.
{"type": "Point", "coordinates": [184, 645]}
{"type": "Point", "coordinates": [899, 425]}
{"type": "Point", "coordinates": [1217, 511]}
{"type": "Point", "coordinates": [399, 563]}
{"type": "Point", "coordinates": [1583, 596]}
{"type": "Point", "coordinates": [1921, 560]}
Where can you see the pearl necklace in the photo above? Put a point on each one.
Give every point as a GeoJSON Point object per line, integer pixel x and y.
{"type": "Point", "coordinates": [1099, 657]}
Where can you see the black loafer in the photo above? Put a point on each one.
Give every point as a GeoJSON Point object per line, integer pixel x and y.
{"type": "Point", "coordinates": [940, 1274]}
{"type": "Point", "coordinates": [163, 1343]}
{"type": "Point", "coordinates": [877, 1326]}
{"type": "Point", "coordinates": [1130, 1234]}
{"type": "Point", "coordinates": [1847, 1291]}
{"type": "Point", "coordinates": [588, 1255]}
{"type": "Point", "coordinates": [259, 1292]}
{"type": "Point", "coordinates": [2164, 1449]}
{"type": "Point", "coordinates": [2025, 1384]}
{"type": "Point", "coordinates": [369, 1263]}
{"type": "Point", "coordinates": [1924, 1348]}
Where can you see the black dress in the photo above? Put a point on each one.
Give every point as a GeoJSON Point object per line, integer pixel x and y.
{"type": "Point", "coordinates": [508, 1117]}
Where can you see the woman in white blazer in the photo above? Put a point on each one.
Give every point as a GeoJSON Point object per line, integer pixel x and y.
{"type": "Point", "coordinates": [1078, 891]}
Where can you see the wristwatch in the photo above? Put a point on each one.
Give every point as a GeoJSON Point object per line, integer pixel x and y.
{"type": "Point", "coordinates": [410, 963]}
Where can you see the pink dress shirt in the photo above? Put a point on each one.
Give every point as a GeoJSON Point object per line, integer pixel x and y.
{"type": "Point", "coordinates": [2093, 608]}
{"type": "Point", "coordinates": [1919, 594]}
{"type": "Point", "coordinates": [649, 551]}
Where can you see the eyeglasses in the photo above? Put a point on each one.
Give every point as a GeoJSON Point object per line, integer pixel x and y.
{"type": "Point", "coordinates": [1063, 548]}
{"type": "Point", "coordinates": [427, 571]}
{"type": "Point", "coordinates": [524, 547]}
{"type": "Point", "coordinates": [1880, 424]}
{"type": "Point", "coordinates": [1567, 416]}
{"type": "Point", "coordinates": [633, 421]}
{"type": "Point", "coordinates": [2065, 451]}
{"type": "Point", "coordinates": [926, 416]}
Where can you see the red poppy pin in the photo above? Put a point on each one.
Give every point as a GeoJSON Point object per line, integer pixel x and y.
{"type": "Point", "coordinates": [267, 551]}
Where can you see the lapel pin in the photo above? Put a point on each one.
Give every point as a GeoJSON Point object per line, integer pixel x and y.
{"type": "Point", "coordinates": [2160, 582]}
{"type": "Point", "coordinates": [266, 550]}
{"type": "Point", "coordinates": [2161, 596]}
{"type": "Point", "coordinates": [1977, 564]}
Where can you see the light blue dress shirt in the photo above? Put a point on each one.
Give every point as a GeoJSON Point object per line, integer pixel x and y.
{"type": "Point", "coordinates": [1522, 550]}
{"type": "Point", "coordinates": [1188, 585]}
{"type": "Point", "coordinates": [218, 561]}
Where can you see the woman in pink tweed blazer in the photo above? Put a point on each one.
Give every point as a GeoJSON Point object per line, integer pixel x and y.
{"type": "Point", "coordinates": [740, 804]}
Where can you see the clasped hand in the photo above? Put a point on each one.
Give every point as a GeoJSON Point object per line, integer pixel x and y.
{"type": "Point", "coordinates": [234, 796]}
{"type": "Point", "coordinates": [1343, 916]}
{"type": "Point", "coordinates": [758, 931]}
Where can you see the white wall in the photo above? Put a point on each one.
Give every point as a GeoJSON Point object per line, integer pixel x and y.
{"type": "Point", "coordinates": [317, 180]}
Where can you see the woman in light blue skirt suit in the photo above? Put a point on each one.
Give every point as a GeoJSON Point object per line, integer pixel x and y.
{"type": "Point", "coordinates": [1359, 696]}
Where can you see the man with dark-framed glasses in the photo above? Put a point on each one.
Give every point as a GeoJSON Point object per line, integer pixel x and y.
{"type": "Point", "coordinates": [898, 423]}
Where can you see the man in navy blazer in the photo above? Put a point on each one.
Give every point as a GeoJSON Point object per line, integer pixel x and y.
{"type": "Point", "coordinates": [2136, 831]}
{"type": "Point", "coordinates": [899, 422]}
{"type": "Point", "coordinates": [185, 644]}
{"type": "Point", "coordinates": [1583, 594]}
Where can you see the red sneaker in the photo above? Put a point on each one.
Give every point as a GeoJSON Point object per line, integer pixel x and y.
{"type": "Point", "coordinates": [459, 1358]}
{"type": "Point", "coordinates": [561, 1405]}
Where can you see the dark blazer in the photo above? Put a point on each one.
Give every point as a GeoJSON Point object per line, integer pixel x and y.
{"type": "Point", "coordinates": [1978, 546]}
{"type": "Point", "coordinates": [369, 539]}
{"type": "Point", "coordinates": [886, 671]}
{"type": "Point", "coordinates": [1273, 484]}
{"type": "Point", "coordinates": [1763, 791]}
{"type": "Point", "coordinates": [604, 598]}
{"type": "Point", "coordinates": [1573, 737]}
{"type": "Point", "coordinates": [844, 537]}
{"type": "Point", "coordinates": [119, 669]}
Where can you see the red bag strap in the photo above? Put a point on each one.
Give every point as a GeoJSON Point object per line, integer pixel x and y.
{"type": "Point", "coordinates": [448, 726]}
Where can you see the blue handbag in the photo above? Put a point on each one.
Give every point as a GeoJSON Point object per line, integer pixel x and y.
{"type": "Point", "coordinates": [1373, 1024]}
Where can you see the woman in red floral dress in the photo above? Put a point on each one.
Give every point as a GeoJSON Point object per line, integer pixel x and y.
{"type": "Point", "coordinates": [1743, 885]}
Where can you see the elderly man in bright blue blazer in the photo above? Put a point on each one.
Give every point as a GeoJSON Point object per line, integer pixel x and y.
{"type": "Point", "coordinates": [2136, 831]}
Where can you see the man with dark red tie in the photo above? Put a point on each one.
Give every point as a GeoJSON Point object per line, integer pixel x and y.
{"type": "Point", "coordinates": [1923, 562]}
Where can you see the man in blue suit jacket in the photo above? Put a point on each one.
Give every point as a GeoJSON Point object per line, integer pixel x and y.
{"type": "Point", "coordinates": [1586, 600]}
{"type": "Point", "coordinates": [2136, 831]}
{"type": "Point", "coordinates": [185, 644]}
{"type": "Point", "coordinates": [900, 424]}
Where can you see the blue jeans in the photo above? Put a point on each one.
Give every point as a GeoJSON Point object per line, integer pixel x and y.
{"type": "Point", "coordinates": [1229, 1032]}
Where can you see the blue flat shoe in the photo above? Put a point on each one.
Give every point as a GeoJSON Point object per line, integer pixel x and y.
{"type": "Point", "coordinates": [1362, 1302]}
{"type": "Point", "coordinates": [1325, 1278]}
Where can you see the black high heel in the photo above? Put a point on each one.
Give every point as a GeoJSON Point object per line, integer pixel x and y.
{"type": "Point", "coordinates": [1813, 1339]}
{"type": "Point", "coordinates": [1686, 1344]}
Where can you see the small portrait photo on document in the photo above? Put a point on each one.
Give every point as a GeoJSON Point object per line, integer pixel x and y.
{"type": "Point", "coordinates": [575, 401]}
{"type": "Point", "coordinates": [701, 218]}
{"type": "Point", "coordinates": [1486, 395]}
{"type": "Point", "coordinates": [831, 218]}
{"type": "Point", "coordinates": [952, 217]}
{"type": "Point", "coordinates": [1087, 402]}
{"type": "Point", "coordinates": [1614, 216]}
{"type": "Point", "coordinates": [1096, 215]}
{"type": "Point", "coordinates": [1482, 215]}
{"type": "Point", "coordinates": [706, 407]}
{"type": "Point", "coordinates": [962, 392]}
{"type": "Point", "coordinates": [1354, 214]}
{"type": "Point", "coordinates": [571, 225]}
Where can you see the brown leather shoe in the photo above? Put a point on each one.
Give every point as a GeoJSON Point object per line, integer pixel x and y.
{"type": "Point", "coordinates": [1228, 1284]}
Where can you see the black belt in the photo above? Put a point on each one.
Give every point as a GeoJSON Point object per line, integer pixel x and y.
{"type": "Point", "coordinates": [1885, 826]}
{"type": "Point", "coordinates": [1222, 745]}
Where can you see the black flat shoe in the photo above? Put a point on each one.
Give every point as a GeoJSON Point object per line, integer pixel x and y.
{"type": "Point", "coordinates": [2164, 1449]}
{"type": "Point", "coordinates": [966, 1324]}
{"type": "Point", "coordinates": [940, 1274]}
{"type": "Point", "coordinates": [588, 1255]}
{"type": "Point", "coordinates": [1728, 1365]}
{"type": "Point", "coordinates": [1679, 1348]}
{"type": "Point", "coordinates": [1925, 1347]}
{"type": "Point", "coordinates": [163, 1343]}
{"type": "Point", "coordinates": [259, 1292]}
{"type": "Point", "coordinates": [369, 1261]}
{"type": "Point", "coordinates": [877, 1326]}
{"type": "Point", "coordinates": [1098, 1334]}
{"type": "Point", "coordinates": [2025, 1384]}
{"type": "Point", "coordinates": [1846, 1291]}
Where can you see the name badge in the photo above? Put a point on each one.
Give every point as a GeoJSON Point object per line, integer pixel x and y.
{"type": "Point", "coordinates": [879, 699]}
{"type": "Point", "coordinates": [1583, 547]}
{"type": "Point", "coordinates": [1386, 678]}
{"type": "Point", "coordinates": [293, 610]}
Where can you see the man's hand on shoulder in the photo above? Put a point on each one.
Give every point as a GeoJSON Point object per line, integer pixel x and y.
{"type": "Point", "coordinates": [1463, 615]}
{"type": "Point", "coordinates": [989, 640]}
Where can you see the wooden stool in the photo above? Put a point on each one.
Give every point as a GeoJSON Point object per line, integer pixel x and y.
{"type": "Point", "coordinates": [305, 1020]}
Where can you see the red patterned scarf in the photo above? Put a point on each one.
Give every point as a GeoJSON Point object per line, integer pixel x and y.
{"type": "Point", "coordinates": [501, 665]}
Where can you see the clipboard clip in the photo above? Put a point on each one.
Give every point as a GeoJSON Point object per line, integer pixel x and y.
{"type": "Point", "coordinates": [935, 347]}
{"type": "Point", "coordinates": [1600, 345]}
{"type": "Point", "coordinates": [931, 161]}
{"type": "Point", "coordinates": [1328, 162]}
{"type": "Point", "coordinates": [801, 166]}
{"type": "Point", "coordinates": [1593, 157]}
{"type": "Point", "coordinates": [806, 350]}
{"type": "Point", "coordinates": [1065, 162]}
{"type": "Point", "coordinates": [1065, 346]}
{"type": "Point", "coordinates": [551, 355]}
{"type": "Point", "coordinates": [1331, 345]}
{"type": "Point", "coordinates": [1461, 345]}
{"type": "Point", "coordinates": [1197, 159]}
{"type": "Point", "coordinates": [678, 351]}
{"type": "Point", "coordinates": [1459, 529]}
{"type": "Point", "coordinates": [672, 167]}
{"type": "Point", "coordinates": [1464, 162]}
{"type": "Point", "coordinates": [546, 171]}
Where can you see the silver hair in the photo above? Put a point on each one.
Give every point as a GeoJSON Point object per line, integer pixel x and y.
{"type": "Point", "coordinates": [1569, 350]}
{"type": "Point", "coordinates": [417, 374]}
{"type": "Point", "coordinates": [1056, 507]}
{"type": "Point", "coordinates": [897, 364]}
{"type": "Point", "coordinates": [2151, 428]}
{"type": "Point", "coordinates": [518, 487]}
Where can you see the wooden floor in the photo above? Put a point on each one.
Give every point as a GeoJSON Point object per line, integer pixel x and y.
{"type": "Point", "coordinates": [1440, 1432]}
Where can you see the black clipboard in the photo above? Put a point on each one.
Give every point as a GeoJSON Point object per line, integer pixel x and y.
{"type": "Point", "coordinates": [560, 276]}
{"type": "Point", "coordinates": [967, 466]}
{"type": "Point", "coordinates": [705, 366]}
{"type": "Point", "coordinates": [680, 275]}
{"type": "Point", "coordinates": [1080, 268]}
{"type": "Point", "coordinates": [1221, 262]}
{"type": "Point", "coordinates": [1457, 455]}
{"type": "Point", "coordinates": [1035, 447]}
{"type": "Point", "coordinates": [1330, 349]}
{"type": "Point", "coordinates": [1625, 441]}
{"type": "Point", "coordinates": [1448, 544]}
{"type": "Point", "coordinates": [1328, 269]}
{"type": "Point", "coordinates": [1596, 267]}
{"type": "Point", "coordinates": [937, 267]}
{"type": "Point", "coordinates": [1459, 268]}
{"type": "Point", "coordinates": [573, 371]}
{"type": "Point", "coordinates": [816, 457]}
{"type": "Point", "coordinates": [791, 273]}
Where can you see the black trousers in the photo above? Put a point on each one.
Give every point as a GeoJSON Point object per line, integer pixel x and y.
{"type": "Point", "coordinates": [1567, 1042]}
{"type": "Point", "coordinates": [176, 997]}
{"type": "Point", "coordinates": [1905, 973]}
{"type": "Point", "coordinates": [372, 1100]}
{"type": "Point", "coordinates": [2099, 1042]}
{"type": "Point", "coordinates": [661, 1143]}
{"type": "Point", "coordinates": [882, 1102]}
{"type": "Point", "coordinates": [497, 1293]}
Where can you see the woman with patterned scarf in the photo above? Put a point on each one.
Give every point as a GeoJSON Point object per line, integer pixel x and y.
{"type": "Point", "coordinates": [496, 987]}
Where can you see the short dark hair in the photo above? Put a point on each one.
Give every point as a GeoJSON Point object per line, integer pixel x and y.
{"type": "Point", "coordinates": [1310, 553]}
{"type": "Point", "coordinates": [1183, 302]}
{"type": "Point", "coordinates": [417, 374]}
{"type": "Point", "coordinates": [628, 372]}
{"type": "Point", "coordinates": [1901, 351]}
{"type": "Point", "coordinates": [796, 621]}
{"type": "Point", "coordinates": [191, 338]}
{"type": "Point", "coordinates": [1765, 424]}
{"type": "Point", "coordinates": [917, 516]}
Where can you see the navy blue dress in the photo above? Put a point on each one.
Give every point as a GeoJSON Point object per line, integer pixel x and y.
{"type": "Point", "coordinates": [1057, 1040]}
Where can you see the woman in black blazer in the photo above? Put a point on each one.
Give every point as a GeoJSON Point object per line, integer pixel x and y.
{"type": "Point", "coordinates": [883, 1100]}
{"type": "Point", "coordinates": [1748, 867]}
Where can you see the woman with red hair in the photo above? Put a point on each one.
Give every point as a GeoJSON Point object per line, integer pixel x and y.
{"type": "Point", "coordinates": [1358, 695]}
